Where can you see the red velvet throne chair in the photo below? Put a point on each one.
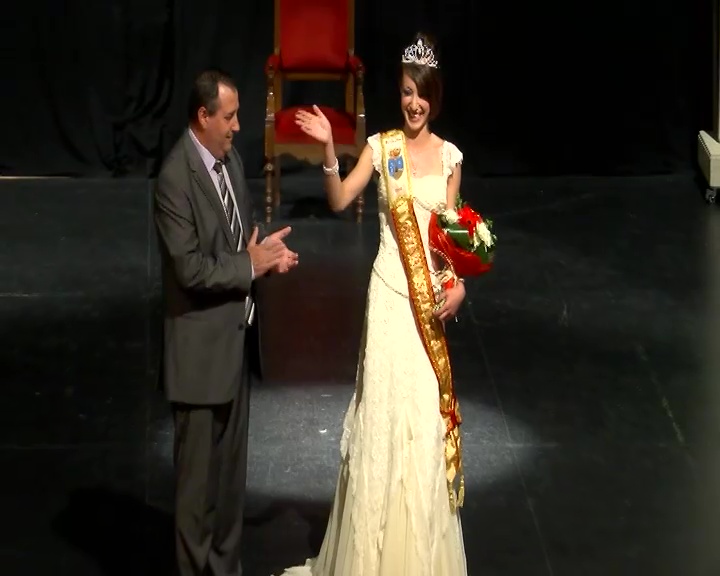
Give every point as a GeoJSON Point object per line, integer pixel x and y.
{"type": "Point", "coordinates": [314, 41]}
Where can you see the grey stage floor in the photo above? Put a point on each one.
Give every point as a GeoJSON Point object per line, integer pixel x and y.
{"type": "Point", "coordinates": [585, 364]}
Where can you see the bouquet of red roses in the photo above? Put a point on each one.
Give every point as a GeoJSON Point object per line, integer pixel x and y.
{"type": "Point", "coordinates": [464, 240]}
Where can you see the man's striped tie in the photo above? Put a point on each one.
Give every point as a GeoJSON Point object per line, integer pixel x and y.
{"type": "Point", "coordinates": [235, 227]}
{"type": "Point", "coordinates": [228, 204]}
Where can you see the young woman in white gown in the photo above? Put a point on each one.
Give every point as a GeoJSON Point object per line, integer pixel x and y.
{"type": "Point", "coordinates": [394, 511]}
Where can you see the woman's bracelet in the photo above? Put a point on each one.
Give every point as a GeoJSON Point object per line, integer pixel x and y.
{"type": "Point", "coordinates": [332, 171]}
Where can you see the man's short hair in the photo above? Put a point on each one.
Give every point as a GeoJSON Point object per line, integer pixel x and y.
{"type": "Point", "coordinates": [204, 93]}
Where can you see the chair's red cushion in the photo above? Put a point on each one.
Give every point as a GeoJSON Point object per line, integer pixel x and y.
{"type": "Point", "coordinates": [287, 132]}
{"type": "Point", "coordinates": [313, 35]}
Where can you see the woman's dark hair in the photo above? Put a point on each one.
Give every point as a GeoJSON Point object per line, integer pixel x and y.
{"type": "Point", "coordinates": [427, 79]}
{"type": "Point", "coordinates": [204, 93]}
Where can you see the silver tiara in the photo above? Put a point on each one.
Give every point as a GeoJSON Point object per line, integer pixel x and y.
{"type": "Point", "coordinates": [418, 53]}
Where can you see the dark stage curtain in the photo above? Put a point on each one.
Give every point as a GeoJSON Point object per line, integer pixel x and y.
{"type": "Point", "coordinates": [95, 88]}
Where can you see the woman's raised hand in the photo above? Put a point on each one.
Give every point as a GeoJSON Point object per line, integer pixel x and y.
{"type": "Point", "coordinates": [314, 125]}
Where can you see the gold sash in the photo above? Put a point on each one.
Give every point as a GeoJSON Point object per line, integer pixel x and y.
{"type": "Point", "coordinates": [422, 297]}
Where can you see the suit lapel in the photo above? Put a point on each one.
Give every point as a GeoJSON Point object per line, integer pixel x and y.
{"type": "Point", "coordinates": [237, 179]}
{"type": "Point", "coordinates": [201, 176]}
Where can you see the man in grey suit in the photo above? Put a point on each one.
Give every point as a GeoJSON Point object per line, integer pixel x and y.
{"type": "Point", "coordinates": [212, 256]}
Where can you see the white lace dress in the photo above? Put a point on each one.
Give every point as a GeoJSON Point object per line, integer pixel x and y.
{"type": "Point", "coordinates": [391, 515]}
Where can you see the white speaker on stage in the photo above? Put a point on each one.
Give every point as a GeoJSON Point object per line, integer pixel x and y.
{"type": "Point", "coordinates": [709, 142]}
{"type": "Point", "coordinates": [709, 160]}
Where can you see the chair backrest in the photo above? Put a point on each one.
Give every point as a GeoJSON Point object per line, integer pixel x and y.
{"type": "Point", "coordinates": [314, 35]}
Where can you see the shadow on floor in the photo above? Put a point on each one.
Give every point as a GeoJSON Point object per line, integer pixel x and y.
{"type": "Point", "coordinates": [122, 534]}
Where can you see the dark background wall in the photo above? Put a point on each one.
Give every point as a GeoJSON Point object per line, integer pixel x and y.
{"type": "Point", "coordinates": [93, 88]}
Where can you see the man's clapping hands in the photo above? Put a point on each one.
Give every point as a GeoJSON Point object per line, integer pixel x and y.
{"type": "Point", "coordinates": [271, 255]}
